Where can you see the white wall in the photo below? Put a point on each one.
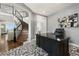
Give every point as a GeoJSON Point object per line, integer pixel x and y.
{"type": "Point", "coordinates": [7, 18]}
{"type": "Point", "coordinates": [73, 33]}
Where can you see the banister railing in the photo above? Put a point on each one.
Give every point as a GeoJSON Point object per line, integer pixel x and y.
{"type": "Point", "coordinates": [20, 18]}
{"type": "Point", "coordinates": [17, 32]}
{"type": "Point", "coordinates": [18, 15]}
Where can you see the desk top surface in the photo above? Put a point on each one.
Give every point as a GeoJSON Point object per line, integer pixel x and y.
{"type": "Point", "coordinates": [50, 35]}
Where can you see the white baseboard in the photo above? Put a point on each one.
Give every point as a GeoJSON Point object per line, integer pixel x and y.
{"type": "Point", "coordinates": [74, 44]}
{"type": "Point", "coordinates": [28, 41]}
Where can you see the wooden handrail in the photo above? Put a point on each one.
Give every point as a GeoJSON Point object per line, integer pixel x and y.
{"type": "Point", "coordinates": [18, 26]}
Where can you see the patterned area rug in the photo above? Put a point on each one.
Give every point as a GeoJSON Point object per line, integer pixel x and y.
{"type": "Point", "coordinates": [73, 50]}
{"type": "Point", "coordinates": [30, 49]}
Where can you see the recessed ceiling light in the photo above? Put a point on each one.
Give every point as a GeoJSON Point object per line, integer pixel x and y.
{"type": "Point", "coordinates": [44, 12]}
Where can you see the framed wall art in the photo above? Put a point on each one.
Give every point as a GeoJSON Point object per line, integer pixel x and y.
{"type": "Point", "coordinates": [69, 21]}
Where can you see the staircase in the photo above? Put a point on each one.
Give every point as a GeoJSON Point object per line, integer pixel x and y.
{"type": "Point", "coordinates": [20, 27]}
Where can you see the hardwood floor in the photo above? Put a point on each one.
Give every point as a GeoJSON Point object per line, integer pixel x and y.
{"type": "Point", "coordinates": [23, 37]}
{"type": "Point", "coordinates": [7, 45]}
{"type": "Point", "coordinates": [3, 44]}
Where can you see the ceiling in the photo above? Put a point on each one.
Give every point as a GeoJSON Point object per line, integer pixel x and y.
{"type": "Point", "coordinates": [47, 8]}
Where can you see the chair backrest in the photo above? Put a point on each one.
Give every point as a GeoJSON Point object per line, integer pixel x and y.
{"type": "Point", "coordinates": [59, 33]}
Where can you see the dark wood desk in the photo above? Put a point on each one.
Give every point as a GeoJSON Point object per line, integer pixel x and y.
{"type": "Point", "coordinates": [52, 46]}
